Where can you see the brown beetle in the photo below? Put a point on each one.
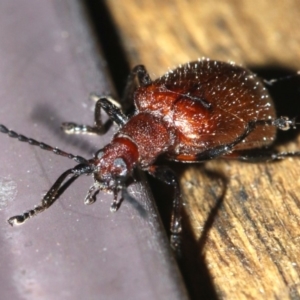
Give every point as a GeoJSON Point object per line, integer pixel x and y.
{"type": "Point", "coordinates": [200, 111]}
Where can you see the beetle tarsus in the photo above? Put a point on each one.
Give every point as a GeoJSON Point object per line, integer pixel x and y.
{"type": "Point", "coordinates": [284, 123]}
{"type": "Point", "coordinates": [16, 220]}
{"type": "Point", "coordinates": [90, 197]}
{"type": "Point", "coordinates": [117, 201]}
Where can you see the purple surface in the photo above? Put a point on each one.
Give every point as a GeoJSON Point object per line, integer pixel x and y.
{"type": "Point", "coordinates": [49, 65]}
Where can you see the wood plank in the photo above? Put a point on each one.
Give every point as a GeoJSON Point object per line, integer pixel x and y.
{"type": "Point", "coordinates": [241, 220]}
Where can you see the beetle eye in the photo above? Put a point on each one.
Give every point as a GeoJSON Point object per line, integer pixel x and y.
{"type": "Point", "coordinates": [99, 154]}
{"type": "Point", "coordinates": [120, 164]}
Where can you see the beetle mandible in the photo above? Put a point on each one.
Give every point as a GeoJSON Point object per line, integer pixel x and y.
{"type": "Point", "coordinates": [200, 111]}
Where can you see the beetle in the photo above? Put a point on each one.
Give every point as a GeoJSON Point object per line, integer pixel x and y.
{"type": "Point", "coordinates": [199, 111]}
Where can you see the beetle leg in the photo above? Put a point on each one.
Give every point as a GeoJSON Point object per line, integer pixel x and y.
{"type": "Point", "coordinates": [90, 197]}
{"type": "Point", "coordinates": [223, 149]}
{"type": "Point", "coordinates": [260, 155]}
{"type": "Point", "coordinates": [52, 195]}
{"type": "Point", "coordinates": [282, 123]}
{"type": "Point", "coordinates": [113, 110]}
{"type": "Point", "coordinates": [166, 175]}
{"type": "Point", "coordinates": [143, 77]}
{"type": "Point", "coordinates": [111, 107]}
{"type": "Point", "coordinates": [117, 201]}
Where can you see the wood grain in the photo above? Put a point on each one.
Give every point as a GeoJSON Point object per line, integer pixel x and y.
{"type": "Point", "coordinates": [242, 220]}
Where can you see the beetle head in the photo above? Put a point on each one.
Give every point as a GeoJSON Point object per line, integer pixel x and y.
{"type": "Point", "coordinates": [115, 163]}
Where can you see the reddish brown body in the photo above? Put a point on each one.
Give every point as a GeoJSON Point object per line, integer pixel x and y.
{"type": "Point", "coordinates": [201, 105]}
{"type": "Point", "coordinates": [199, 111]}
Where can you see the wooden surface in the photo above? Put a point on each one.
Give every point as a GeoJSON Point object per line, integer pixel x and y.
{"type": "Point", "coordinates": [241, 221]}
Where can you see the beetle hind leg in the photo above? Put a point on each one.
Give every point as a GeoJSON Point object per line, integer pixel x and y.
{"type": "Point", "coordinates": [165, 174]}
{"type": "Point", "coordinates": [227, 150]}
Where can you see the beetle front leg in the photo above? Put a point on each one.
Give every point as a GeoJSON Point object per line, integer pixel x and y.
{"type": "Point", "coordinates": [110, 106]}
{"type": "Point", "coordinates": [143, 77]}
{"type": "Point", "coordinates": [166, 175]}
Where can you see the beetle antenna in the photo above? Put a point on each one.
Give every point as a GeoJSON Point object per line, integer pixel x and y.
{"type": "Point", "coordinates": [43, 146]}
{"type": "Point", "coordinates": [52, 195]}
